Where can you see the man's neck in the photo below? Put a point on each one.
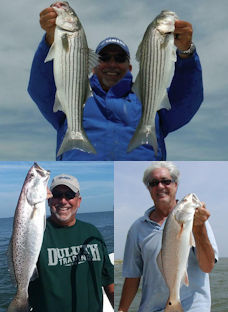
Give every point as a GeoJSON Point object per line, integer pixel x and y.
{"type": "Point", "coordinates": [159, 214]}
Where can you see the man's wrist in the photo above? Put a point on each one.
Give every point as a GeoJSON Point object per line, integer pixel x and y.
{"type": "Point", "coordinates": [188, 52]}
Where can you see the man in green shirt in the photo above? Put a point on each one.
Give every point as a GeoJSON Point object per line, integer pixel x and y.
{"type": "Point", "coordinates": [74, 264]}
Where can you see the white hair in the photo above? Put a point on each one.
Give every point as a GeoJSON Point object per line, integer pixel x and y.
{"type": "Point", "coordinates": [174, 172]}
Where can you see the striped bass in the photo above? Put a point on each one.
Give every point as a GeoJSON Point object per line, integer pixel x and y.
{"type": "Point", "coordinates": [28, 228]}
{"type": "Point", "coordinates": [71, 57]}
{"type": "Point", "coordinates": [156, 55]}
{"type": "Point", "coordinates": [177, 240]}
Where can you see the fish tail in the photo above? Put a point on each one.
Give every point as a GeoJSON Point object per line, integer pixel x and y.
{"type": "Point", "coordinates": [173, 306]}
{"type": "Point", "coordinates": [76, 140]}
{"type": "Point", "coordinates": [19, 304]}
{"type": "Point", "coordinates": [144, 135]}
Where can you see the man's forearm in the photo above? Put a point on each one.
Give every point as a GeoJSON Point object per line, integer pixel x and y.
{"type": "Point", "coordinates": [129, 291]}
{"type": "Point", "coordinates": [109, 290]}
{"type": "Point", "coordinates": [204, 251]}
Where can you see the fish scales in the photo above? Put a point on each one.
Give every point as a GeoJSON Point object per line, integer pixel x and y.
{"type": "Point", "coordinates": [27, 236]}
{"type": "Point", "coordinates": [177, 240]}
{"type": "Point", "coordinates": [155, 54]}
{"type": "Point", "coordinates": [71, 54]}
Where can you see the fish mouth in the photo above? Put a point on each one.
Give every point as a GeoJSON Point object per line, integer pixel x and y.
{"type": "Point", "coordinates": [42, 171]}
{"type": "Point", "coordinates": [59, 4]}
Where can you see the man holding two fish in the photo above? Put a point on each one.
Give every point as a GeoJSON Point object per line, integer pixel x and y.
{"type": "Point", "coordinates": [111, 115]}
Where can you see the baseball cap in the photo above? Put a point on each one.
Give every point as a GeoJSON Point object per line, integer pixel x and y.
{"type": "Point", "coordinates": [65, 179]}
{"type": "Point", "coordinates": [112, 40]}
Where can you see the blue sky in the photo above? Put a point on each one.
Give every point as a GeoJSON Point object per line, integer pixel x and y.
{"type": "Point", "coordinates": [26, 135]}
{"type": "Point", "coordinates": [208, 180]}
{"type": "Point", "coordinates": [95, 179]}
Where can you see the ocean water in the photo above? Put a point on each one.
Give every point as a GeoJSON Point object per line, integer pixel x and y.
{"type": "Point", "coordinates": [218, 281]}
{"type": "Point", "coordinates": [102, 220]}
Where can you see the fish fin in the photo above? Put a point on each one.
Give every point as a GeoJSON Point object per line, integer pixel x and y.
{"type": "Point", "coordinates": [33, 212]}
{"type": "Point", "coordinates": [93, 60]}
{"type": "Point", "coordinates": [181, 231]}
{"type": "Point", "coordinates": [159, 263]}
{"type": "Point", "coordinates": [174, 54]}
{"type": "Point", "coordinates": [10, 262]}
{"type": "Point", "coordinates": [45, 222]}
{"type": "Point", "coordinates": [51, 54]}
{"type": "Point", "coordinates": [76, 140]}
{"type": "Point", "coordinates": [57, 105]}
{"type": "Point", "coordinates": [173, 306]}
{"type": "Point", "coordinates": [139, 53]}
{"type": "Point", "coordinates": [192, 240]}
{"type": "Point", "coordinates": [185, 279]}
{"type": "Point", "coordinates": [164, 103]}
{"type": "Point", "coordinates": [136, 87]}
{"type": "Point", "coordinates": [35, 275]}
{"type": "Point", "coordinates": [144, 135]}
{"type": "Point", "coordinates": [65, 42]}
{"type": "Point", "coordinates": [19, 303]}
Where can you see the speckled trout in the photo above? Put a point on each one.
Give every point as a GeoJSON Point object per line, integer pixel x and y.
{"type": "Point", "coordinates": [177, 240]}
{"type": "Point", "coordinates": [28, 228]}
{"type": "Point", "coordinates": [156, 55]}
{"type": "Point", "coordinates": [72, 63]}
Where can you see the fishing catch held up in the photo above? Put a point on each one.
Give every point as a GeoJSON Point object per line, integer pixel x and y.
{"type": "Point", "coordinates": [72, 63]}
{"type": "Point", "coordinates": [177, 240]}
{"type": "Point", "coordinates": [28, 228]}
{"type": "Point", "coordinates": [156, 55]}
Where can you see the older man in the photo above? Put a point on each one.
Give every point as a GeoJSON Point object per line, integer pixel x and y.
{"type": "Point", "coordinates": [73, 263]}
{"type": "Point", "coordinates": [111, 115]}
{"type": "Point", "coordinates": [144, 243]}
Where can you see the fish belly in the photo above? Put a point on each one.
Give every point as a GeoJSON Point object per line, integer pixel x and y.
{"type": "Point", "coordinates": [72, 84]}
{"type": "Point", "coordinates": [26, 244]}
{"type": "Point", "coordinates": [151, 83]}
{"type": "Point", "coordinates": [175, 252]}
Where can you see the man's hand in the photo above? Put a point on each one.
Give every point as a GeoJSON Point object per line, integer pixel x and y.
{"type": "Point", "coordinates": [183, 36]}
{"type": "Point", "coordinates": [204, 251]}
{"type": "Point", "coordinates": [201, 216]}
{"type": "Point", "coordinates": [47, 22]}
{"type": "Point", "coordinates": [49, 193]}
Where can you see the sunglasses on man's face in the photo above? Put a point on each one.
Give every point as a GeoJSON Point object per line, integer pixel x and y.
{"type": "Point", "coordinates": [67, 195]}
{"type": "Point", "coordinates": [119, 58]}
{"type": "Point", "coordinates": [155, 182]}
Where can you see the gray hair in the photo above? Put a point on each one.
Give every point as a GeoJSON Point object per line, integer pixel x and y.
{"type": "Point", "coordinates": [174, 172]}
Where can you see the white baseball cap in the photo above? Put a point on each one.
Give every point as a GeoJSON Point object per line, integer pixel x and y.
{"type": "Point", "coordinates": [65, 179]}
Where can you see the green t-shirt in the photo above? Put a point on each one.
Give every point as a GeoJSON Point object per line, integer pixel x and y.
{"type": "Point", "coordinates": [73, 266]}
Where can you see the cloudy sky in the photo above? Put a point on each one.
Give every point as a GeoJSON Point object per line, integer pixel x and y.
{"type": "Point", "coordinates": [25, 135]}
{"type": "Point", "coordinates": [95, 179]}
{"type": "Point", "coordinates": [208, 180]}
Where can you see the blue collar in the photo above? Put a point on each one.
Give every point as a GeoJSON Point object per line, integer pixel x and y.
{"type": "Point", "coordinates": [122, 88]}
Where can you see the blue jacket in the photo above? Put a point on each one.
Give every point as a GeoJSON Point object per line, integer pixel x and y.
{"type": "Point", "coordinates": [110, 119]}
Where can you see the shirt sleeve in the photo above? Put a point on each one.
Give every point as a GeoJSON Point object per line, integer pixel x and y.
{"type": "Point", "coordinates": [212, 240]}
{"type": "Point", "coordinates": [132, 262]}
{"type": "Point", "coordinates": [41, 86]}
{"type": "Point", "coordinates": [185, 94]}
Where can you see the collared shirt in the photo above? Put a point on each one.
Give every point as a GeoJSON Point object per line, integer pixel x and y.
{"type": "Point", "coordinates": [140, 259]}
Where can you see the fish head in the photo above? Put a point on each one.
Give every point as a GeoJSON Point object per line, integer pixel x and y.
{"type": "Point", "coordinates": [165, 22]}
{"type": "Point", "coordinates": [185, 209]}
{"type": "Point", "coordinates": [67, 19]}
{"type": "Point", "coordinates": [36, 184]}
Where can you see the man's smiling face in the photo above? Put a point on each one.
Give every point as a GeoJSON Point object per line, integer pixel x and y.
{"type": "Point", "coordinates": [114, 66]}
{"type": "Point", "coordinates": [163, 195]}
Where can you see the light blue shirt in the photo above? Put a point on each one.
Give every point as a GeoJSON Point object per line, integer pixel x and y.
{"type": "Point", "coordinates": [140, 259]}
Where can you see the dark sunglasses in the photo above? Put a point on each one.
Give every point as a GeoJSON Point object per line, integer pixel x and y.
{"type": "Point", "coordinates": [119, 58]}
{"type": "Point", "coordinates": [163, 182]}
{"type": "Point", "coordinates": [67, 195]}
